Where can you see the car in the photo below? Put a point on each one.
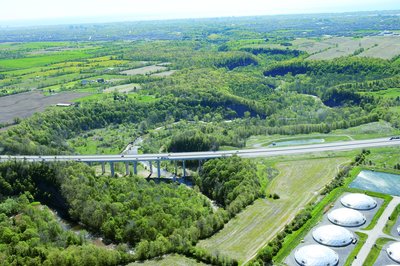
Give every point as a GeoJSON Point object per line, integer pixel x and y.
{"type": "Point", "coordinates": [395, 138]}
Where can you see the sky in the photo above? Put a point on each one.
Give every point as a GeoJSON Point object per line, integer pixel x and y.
{"type": "Point", "coordinates": [12, 11]}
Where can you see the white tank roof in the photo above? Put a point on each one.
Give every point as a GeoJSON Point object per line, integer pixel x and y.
{"type": "Point", "coordinates": [316, 255]}
{"type": "Point", "coordinates": [332, 235]}
{"type": "Point", "coordinates": [346, 217]}
{"type": "Point", "coordinates": [358, 201]}
{"type": "Point", "coordinates": [394, 251]}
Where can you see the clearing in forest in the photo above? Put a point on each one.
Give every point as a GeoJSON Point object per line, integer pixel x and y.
{"type": "Point", "coordinates": [144, 70]}
{"type": "Point", "coordinates": [299, 181]}
{"type": "Point", "coordinates": [123, 88]}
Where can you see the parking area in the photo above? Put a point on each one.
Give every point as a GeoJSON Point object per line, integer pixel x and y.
{"type": "Point", "coordinates": [383, 258]}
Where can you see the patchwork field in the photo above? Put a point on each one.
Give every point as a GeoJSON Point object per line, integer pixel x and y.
{"type": "Point", "coordinates": [298, 182]}
{"type": "Point", "coordinates": [385, 47]}
{"type": "Point", "coordinates": [25, 104]}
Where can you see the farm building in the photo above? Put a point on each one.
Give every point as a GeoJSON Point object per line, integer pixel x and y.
{"type": "Point", "coordinates": [394, 251]}
{"type": "Point", "coordinates": [346, 217]}
{"type": "Point", "coordinates": [332, 235]}
{"type": "Point", "coordinates": [316, 255]}
{"type": "Point", "coordinates": [358, 201]}
{"type": "Point", "coordinates": [64, 104]}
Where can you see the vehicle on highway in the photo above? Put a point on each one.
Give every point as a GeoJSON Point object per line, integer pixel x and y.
{"type": "Point", "coordinates": [395, 138]}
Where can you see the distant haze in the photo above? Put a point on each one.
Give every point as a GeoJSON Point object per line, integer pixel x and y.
{"type": "Point", "coordinates": [28, 12]}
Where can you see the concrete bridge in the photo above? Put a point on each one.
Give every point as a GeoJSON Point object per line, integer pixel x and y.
{"type": "Point", "coordinates": [201, 156]}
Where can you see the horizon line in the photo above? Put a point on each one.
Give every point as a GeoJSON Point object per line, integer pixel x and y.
{"type": "Point", "coordinates": [63, 21]}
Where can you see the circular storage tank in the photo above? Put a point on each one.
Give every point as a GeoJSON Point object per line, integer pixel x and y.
{"type": "Point", "coordinates": [332, 235]}
{"type": "Point", "coordinates": [394, 251]}
{"type": "Point", "coordinates": [346, 217]}
{"type": "Point", "coordinates": [316, 255]}
{"type": "Point", "coordinates": [358, 201]}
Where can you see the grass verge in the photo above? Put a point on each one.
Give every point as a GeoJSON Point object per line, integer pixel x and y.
{"type": "Point", "coordinates": [393, 218]}
{"type": "Point", "coordinates": [361, 240]}
{"type": "Point", "coordinates": [375, 251]}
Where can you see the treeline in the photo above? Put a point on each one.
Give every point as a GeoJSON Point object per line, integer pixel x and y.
{"type": "Point", "coordinates": [373, 85]}
{"type": "Point", "coordinates": [188, 141]}
{"type": "Point", "coordinates": [232, 182]}
{"type": "Point", "coordinates": [288, 53]}
{"type": "Point", "coordinates": [359, 67]}
{"type": "Point", "coordinates": [233, 60]}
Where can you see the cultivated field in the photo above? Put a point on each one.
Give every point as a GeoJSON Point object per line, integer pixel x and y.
{"type": "Point", "coordinates": [385, 47]}
{"type": "Point", "coordinates": [164, 74]}
{"type": "Point", "coordinates": [144, 70]}
{"type": "Point", "coordinates": [298, 182]}
{"type": "Point", "coordinates": [25, 104]}
{"type": "Point", "coordinates": [123, 88]}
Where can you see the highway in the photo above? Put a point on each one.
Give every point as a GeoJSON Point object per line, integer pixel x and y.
{"type": "Point", "coordinates": [245, 153]}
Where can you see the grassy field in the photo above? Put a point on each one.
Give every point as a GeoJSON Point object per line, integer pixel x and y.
{"type": "Point", "coordinates": [42, 60]}
{"type": "Point", "coordinates": [389, 93]}
{"type": "Point", "coordinates": [175, 260]}
{"type": "Point", "coordinates": [123, 88]}
{"type": "Point", "coordinates": [392, 221]}
{"type": "Point", "coordinates": [164, 74]}
{"type": "Point", "coordinates": [109, 140]}
{"type": "Point", "coordinates": [263, 140]}
{"type": "Point", "coordinates": [367, 131]}
{"type": "Point", "coordinates": [298, 182]}
{"type": "Point", "coordinates": [376, 249]}
{"type": "Point", "coordinates": [386, 157]}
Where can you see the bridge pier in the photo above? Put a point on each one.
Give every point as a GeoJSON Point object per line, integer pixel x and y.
{"type": "Point", "coordinates": [127, 172]}
{"type": "Point", "coordinates": [103, 168]}
{"type": "Point", "coordinates": [158, 169]}
{"type": "Point", "coordinates": [183, 169]}
{"type": "Point", "coordinates": [151, 168]}
{"type": "Point", "coordinates": [199, 168]}
{"type": "Point", "coordinates": [112, 169]}
{"type": "Point", "coordinates": [176, 168]}
{"type": "Point", "coordinates": [135, 167]}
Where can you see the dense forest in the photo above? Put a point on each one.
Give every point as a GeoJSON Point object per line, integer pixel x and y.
{"type": "Point", "coordinates": [154, 218]}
